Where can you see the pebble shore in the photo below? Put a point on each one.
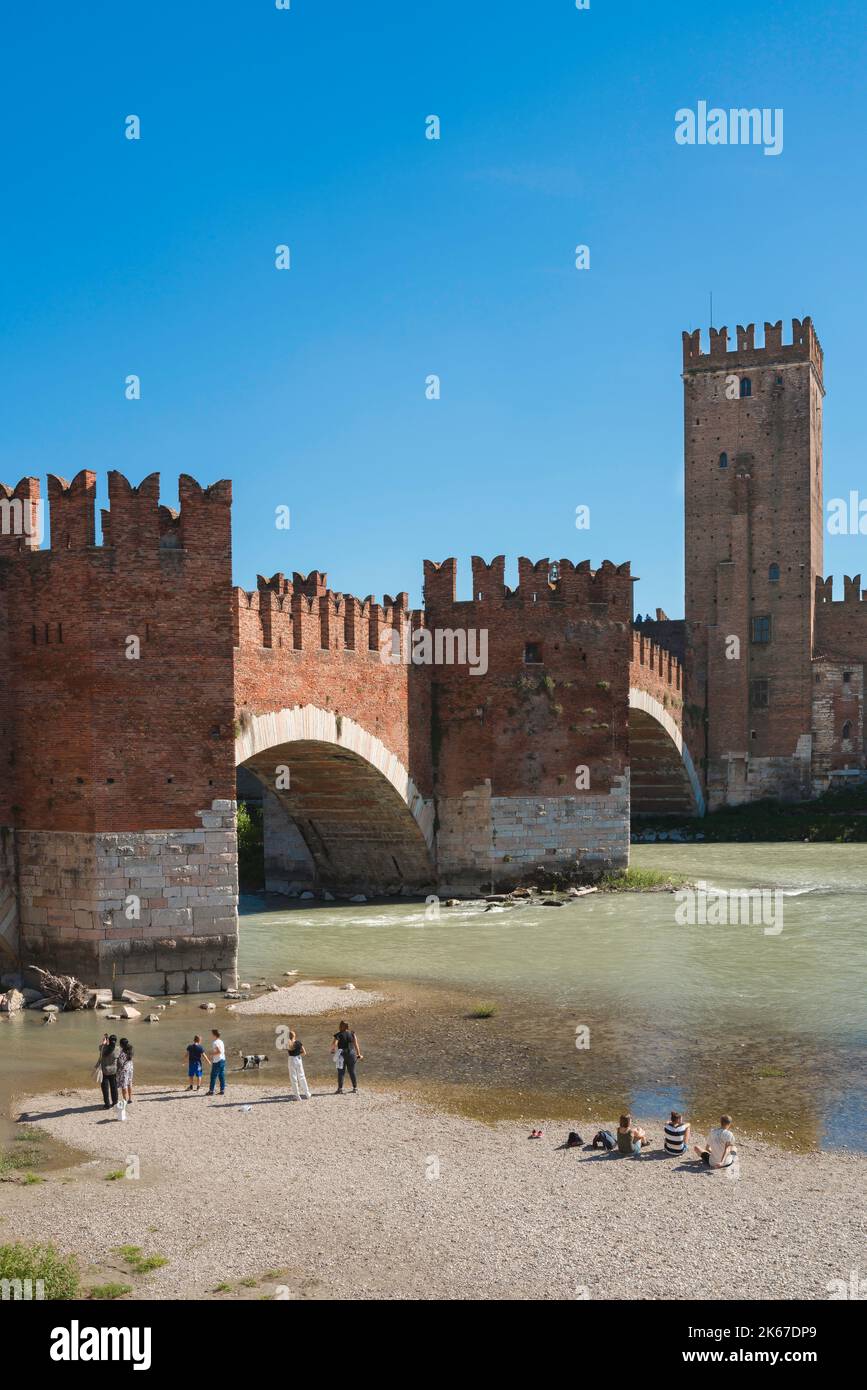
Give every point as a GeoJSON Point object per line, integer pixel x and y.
{"type": "Point", "coordinates": [376, 1197]}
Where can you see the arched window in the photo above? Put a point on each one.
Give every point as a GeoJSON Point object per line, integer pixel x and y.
{"type": "Point", "coordinates": [746, 386]}
{"type": "Point", "coordinates": [847, 729]}
{"type": "Point", "coordinates": [774, 573]}
{"type": "Point", "coordinates": [723, 460]}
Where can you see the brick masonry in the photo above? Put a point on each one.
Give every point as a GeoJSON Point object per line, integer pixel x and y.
{"type": "Point", "coordinates": [768, 721]}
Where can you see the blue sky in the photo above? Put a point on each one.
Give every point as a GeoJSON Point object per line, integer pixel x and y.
{"type": "Point", "coordinates": [410, 257]}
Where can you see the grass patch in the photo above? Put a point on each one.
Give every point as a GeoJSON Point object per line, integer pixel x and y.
{"type": "Point", "coordinates": [15, 1160]}
{"type": "Point", "coordinates": [27, 1134]}
{"type": "Point", "coordinates": [113, 1177]}
{"type": "Point", "coordinates": [223, 1288]}
{"type": "Point", "coordinates": [139, 1262]}
{"type": "Point", "coordinates": [484, 1011]}
{"type": "Point", "coordinates": [770, 1071]}
{"type": "Point", "coordinates": [31, 1178]}
{"type": "Point", "coordinates": [59, 1273]}
{"type": "Point", "coordinates": [106, 1291]}
{"type": "Point", "coordinates": [636, 880]}
{"type": "Point", "coordinates": [248, 1283]}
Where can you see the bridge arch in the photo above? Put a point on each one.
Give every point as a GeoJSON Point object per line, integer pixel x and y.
{"type": "Point", "coordinates": [365, 824]}
{"type": "Point", "coordinates": [663, 778]}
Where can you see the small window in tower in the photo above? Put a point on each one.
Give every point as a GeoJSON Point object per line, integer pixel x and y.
{"type": "Point", "coordinates": [746, 386]}
{"type": "Point", "coordinates": [847, 729]}
{"type": "Point", "coordinates": [760, 629]}
{"type": "Point", "coordinates": [774, 573]}
{"type": "Point", "coordinates": [759, 694]}
{"type": "Point", "coordinates": [723, 460]}
{"type": "Point", "coordinates": [847, 677]}
{"type": "Point", "coordinates": [779, 380]}
{"type": "Point", "coordinates": [532, 653]}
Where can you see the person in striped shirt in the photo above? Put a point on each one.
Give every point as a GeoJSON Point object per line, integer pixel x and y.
{"type": "Point", "coordinates": [676, 1134]}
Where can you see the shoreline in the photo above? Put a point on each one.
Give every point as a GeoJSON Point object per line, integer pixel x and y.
{"type": "Point", "coordinates": [422, 1203]}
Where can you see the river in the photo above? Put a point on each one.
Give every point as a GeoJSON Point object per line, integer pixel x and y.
{"type": "Point", "coordinates": [607, 1002]}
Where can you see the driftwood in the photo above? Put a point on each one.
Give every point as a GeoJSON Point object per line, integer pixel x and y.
{"type": "Point", "coordinates": [64, 990]}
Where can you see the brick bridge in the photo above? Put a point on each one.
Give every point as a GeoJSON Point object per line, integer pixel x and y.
{"type": "Point", "coordinates": [473, 743]}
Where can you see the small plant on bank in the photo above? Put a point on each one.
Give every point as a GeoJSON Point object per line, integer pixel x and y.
{"type": "Point", "coordinates": [639, 881]}
{"type": "Point", "coordinates": [58, 1273]}
{"type": "Point", "coordinates": [106, 1291]}
{"type": "Point", "coordinates": [484, 1011]}
{"type": "Point", "coordinates": [113, 1177]}
{"type": "Point", "coordinates": [31, 1178]}
{"type": "Point", "coordinates": [139, 1262]}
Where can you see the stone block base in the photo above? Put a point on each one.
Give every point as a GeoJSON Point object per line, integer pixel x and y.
{"type": "Point", "coordinates": [154, 911]}
{"type": "Point", "coordinates": [487, 842]}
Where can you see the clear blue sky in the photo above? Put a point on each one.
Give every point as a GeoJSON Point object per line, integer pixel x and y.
{"type": "Point", "coordinates": [412, 257]}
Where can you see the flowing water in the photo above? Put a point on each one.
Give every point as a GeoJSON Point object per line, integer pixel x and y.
{"type": "Point", "coordinates": [605, 1003]}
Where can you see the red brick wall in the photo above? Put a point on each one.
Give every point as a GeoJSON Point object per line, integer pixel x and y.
{"type": "Point", "coordinates": [299, 643]}
{"type": "Point", "coordinates": [527, 727]}
{"type": "Point", "coordinates": [764, 508]}
{"type": "Point", "coordinates": [95, 741]}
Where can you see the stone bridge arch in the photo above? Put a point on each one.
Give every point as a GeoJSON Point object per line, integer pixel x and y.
{"type": "Point", "coordinates": [663, 779]}
{"type": "Point", "coordinates": [365, 825]}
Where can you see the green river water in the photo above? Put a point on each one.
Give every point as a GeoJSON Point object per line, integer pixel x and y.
{"type": "Point", "coordinates": [771, 1027]}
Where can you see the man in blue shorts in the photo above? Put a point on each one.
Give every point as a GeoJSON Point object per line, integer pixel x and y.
{"type": "Point", "coordinates": [195, 1053]}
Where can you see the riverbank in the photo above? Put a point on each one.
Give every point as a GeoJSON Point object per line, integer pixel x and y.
{"type": "Point", "coordinates": [376, 1196]}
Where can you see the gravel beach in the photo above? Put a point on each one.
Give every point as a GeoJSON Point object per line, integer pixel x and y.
{"type": "Point", "coordinates": [374, 1196]}
{"type": "Point", "coordinates": [306, 999]}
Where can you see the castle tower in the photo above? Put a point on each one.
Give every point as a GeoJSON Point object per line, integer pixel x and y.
{"type": "Point", "coordinates": [753, 541]}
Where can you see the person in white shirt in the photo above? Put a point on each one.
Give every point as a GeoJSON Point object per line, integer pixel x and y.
{"type": "Point", "coordinates": [217, 1060]}
{"type": "Point", "coordinates": [720, 1151]}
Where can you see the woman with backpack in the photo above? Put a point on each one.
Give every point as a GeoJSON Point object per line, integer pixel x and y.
{"type": "Point", "coordinates": [107, 1067]}
{"type": "Point", "coordinates": [346, 1045]}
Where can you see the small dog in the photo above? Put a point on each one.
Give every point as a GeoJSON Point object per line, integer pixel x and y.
{"type": "Point", "coordinates": [253, 1062]}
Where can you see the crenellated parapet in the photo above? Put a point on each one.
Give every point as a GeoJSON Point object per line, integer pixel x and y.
{"type": "Point", "coordinates": [303, 614]}
{"type": "Point", "coordinates": [804, 347]}
{"type": "Point", "coordinates": [134, 524]}
{"type": "Point", "coordinates": [653, 662]}
{"type": "Point", "coordinates": [852, 591]}
{"type": "Point", "coordinates": [604, 592]}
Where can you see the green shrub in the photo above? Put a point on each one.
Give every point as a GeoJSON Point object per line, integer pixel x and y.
{"type": "Point", "coordinates": [59, 1273]}
{"type": "Point", "coordinates": [484, 1011]}
{"type": "Point", "coordinates": [102, 1291]}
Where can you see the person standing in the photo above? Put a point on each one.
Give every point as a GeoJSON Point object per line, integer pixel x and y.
{"type": "Point", "coordinates": [195, 1053]}
{"type": "Point", "coordinates": [217, 1060]}
{"type": "Point", "coordinates": [346, 1042]}
{"type": "Point", "coordinates": [108, 1060]}
{"type": "Point", "coordinates": [297, 1051]}
{"type": "Point", "coordinates": [125, 1069]}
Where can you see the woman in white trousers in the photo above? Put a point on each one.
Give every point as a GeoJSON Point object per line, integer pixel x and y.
{"type": "Point", "coordinates": [297, 1051]}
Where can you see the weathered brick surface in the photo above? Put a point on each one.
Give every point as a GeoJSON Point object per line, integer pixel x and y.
{"type": "Point", "coordinates": [763, 509]}
{"type": "Point", "coordinates": [94, 743]}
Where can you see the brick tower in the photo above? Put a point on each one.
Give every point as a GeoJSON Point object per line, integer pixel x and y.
{"type": "Point", "coordinates": [753, 539]}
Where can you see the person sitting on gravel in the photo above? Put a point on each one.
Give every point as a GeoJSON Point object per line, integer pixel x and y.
{"type": "Point", "coordinates": [676, 1134]}
{"type": "Point", "coordinates": [720, 1151]}
{"type": "Point", "coordinates": [629, 1137]}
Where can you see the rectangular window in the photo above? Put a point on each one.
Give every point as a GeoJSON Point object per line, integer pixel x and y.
{"type": "Point", "coordinates": [761, 629]}
{"type": "Point", "coordinates": [759, 694]}
{"type": "Point", "coordinates": [533, 653]}
{"type": "Point", "coordinates": [847, 676]}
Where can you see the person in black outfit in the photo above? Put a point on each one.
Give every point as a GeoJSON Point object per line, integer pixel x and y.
{"type": "Point", "coordinates": [346, 1043]}
{"type": "Point", "coordinates": [108, 1060]}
